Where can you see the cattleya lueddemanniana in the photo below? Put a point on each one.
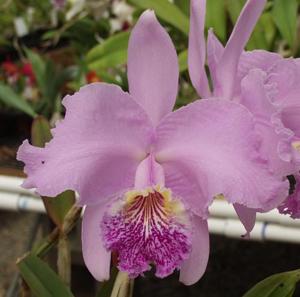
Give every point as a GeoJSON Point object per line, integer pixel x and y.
{"type": "Point", "coordinates": [146, 174]}
{"type": "Point", "coordinates": [264, 82]}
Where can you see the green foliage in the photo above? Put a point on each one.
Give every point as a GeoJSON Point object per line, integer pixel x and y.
{"type": "Point", "coordinates": [216, 18]}
{"type": "Point", "coordinates": [50, 79]}
{"type": "Point", "coordinates": [167, 11]}
{"type": "Point", "coordinates": [110, 53]}
{"type": "Point", "coordinates": [285, 17]}
{"type": "Point", "coordinates": [10, 98]}
{"type": "Point", "coordinates": [277, 285]}
{"type": "Point", "coordinates": [41, 279]}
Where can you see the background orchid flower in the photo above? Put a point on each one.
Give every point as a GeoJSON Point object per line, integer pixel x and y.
{"type": "Point", "coordinates": [256, 79]}
{"type": "Point", "coordinates": [291, 205]}
{"type": "Point", "coordinates": [146, 174]}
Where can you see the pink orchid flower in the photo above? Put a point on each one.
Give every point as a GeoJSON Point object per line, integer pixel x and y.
{"type": "Point", "coordinates": [146, 174]}
{"type": "Point", "coordinates": [267, 84]}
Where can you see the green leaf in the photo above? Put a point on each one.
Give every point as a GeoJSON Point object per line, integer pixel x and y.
{"type": "Point", "coordinates": [39, 69]}
{"type": "Point", "coordinates": [285, 17]}
{"type": "Point", "coordinates": [182, 60]}
{"type": "Point", "coordinates": [167, 11]}
{"type": "Point", "coordinates": [115, 43]}
{"type": "Point", "coordinates": [10, 98]}
{"type": "Point", "coordinates": [216, 17]}
{"type": "Point", "coordinates": [277, 285]}
{"type": "Point", "coordinates": [41, 279]}
{"type": "Point", "coordinates": [111, 60]}
{"type": "Point", "coordinates": [56, 207]}
{"type": "Point", "coordinates": [184, 5]}
{"type": "Point", "coordinates": [40, 131]}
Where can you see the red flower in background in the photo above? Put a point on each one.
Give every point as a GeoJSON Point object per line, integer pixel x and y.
{"type": "Point", "coordinates": [92, 76]}
{"type": "Point", "coordinates": [27, 71]}
{"type": "Point", "coordinates": [10, 69]}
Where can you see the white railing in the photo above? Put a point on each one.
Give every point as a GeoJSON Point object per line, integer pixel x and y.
{"type": "Point", "coordinates": [223, 219]}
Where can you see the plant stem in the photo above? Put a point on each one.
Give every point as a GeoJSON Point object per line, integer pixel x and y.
{"type": "Point", "coordinates": [64, 259]}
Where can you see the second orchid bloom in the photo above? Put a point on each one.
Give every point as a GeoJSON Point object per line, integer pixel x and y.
{"type": "Point", "coordinates": [147, 175]}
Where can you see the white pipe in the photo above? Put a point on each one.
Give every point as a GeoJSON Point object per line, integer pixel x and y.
{"type": "Point", "coordinates": [13, 184]}
{"type": "Point", "coordinates": [18, 201]}
{"type": "Point", "coordinates": [220, 226]}
{"type": "Point", "coordinates": [220, 208]}
{"type": "Point", "coordinates": [261, 231]}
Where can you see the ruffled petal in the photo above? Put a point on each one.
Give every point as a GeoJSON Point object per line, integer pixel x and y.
{"type": "Point", "coordinates": [96, 148]}
{"type": "Point", "coordinates": [227, 68]}
{"type": "Point", "coordinates": [194, 267]}
{"type": "Point", "coordinates": [196, 51]}
{"type": "Point", "coordinates": [96, 257]}
{"type": "Point", "coordinates": [152, 67]}
{"type": "Point", "coordinates": [257, 59]}
{"type": "Point", "coordinates": [247, 216]}
{"type": "Point", "coordinates": [255, 95]}
{"type": "Point", "coordinates": [214, 141]}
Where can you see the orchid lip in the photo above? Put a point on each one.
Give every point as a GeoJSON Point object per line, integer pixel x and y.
{"type": "Point", "coordinates": [148, 227]}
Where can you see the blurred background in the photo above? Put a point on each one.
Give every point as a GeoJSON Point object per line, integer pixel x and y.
{"type": "Point", "coordinates": [50, 48]}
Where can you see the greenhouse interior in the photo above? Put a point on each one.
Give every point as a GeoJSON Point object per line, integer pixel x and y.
{"type": "Point", "coordinates": [106, 193]}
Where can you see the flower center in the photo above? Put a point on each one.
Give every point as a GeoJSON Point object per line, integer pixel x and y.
{"type": "Point", "coordinates": [148, 227]}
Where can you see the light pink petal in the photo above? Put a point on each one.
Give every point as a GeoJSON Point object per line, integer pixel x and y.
{"type": "Point", "coordinates": [247, 217]}
{"type": "Point", "coordinates": [214, 141]}
{"type": "Point", "coordinates": [152, 67]}
{"type": "Point", "coordinates": [96, 148]}
{"type": "Point", "coordinates": [194, 267]}
{"type": "Point", "coordinates": [227, 69]}
{"type": "Point", "coordinates": [96, 257]}
{"type": "Point", "coordinates": [215, 51]}
{"type": "Point", "coordinates": [196, 51]}
{"type": "Point", "coordinates": [149, 173]}
{"type": "Point", "coordinates": [284, 75]}
{"type": "Point", "coordinates": [257, 59]}
{"type": "Point", "coordinates": [255, 96]}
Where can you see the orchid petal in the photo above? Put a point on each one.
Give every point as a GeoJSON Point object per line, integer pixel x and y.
{"type": "Point", "coordinates": [152, 67]}
{"type": "Point", "coordinates": [96, 148]}
{"type": "Point", "coordinates": [215, 141]}
{"type": "Point", "coordinates": [255, 96]}
{"type": "Point", "coordinates": [194, 267]}
{"type": "Point", "coordinates": [95, 255]}
{"type": "Point", "coordinates": [227, 68]}
{"type": "Point", "coordinates": [215, 51]}
{"type": "Point", "coordinates": [247, 216]}
{"type": "Point", "coordinates": [257, 59]}
{"type": "Point", "coordinates": [196, 52]}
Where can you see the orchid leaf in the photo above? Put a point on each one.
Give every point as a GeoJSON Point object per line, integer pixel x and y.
{"type": "Point", "coordinates": [39, 68]}
{"type": "Point", "coordinates": [56, 207]}
{"type": "Point", "coordinates": [111, 60]}
{"type": "Point", "coordinates": [184, 5]}
{"type": "Point", "coordinates": [167, 11]}
{"type": "Point", "coordinates": [41, 279]}
{"type": "Point", "coordinates": [115, 43]}
{"type": "Point", "coordinates": [182, 60]}
{"type": "Point", "coordinates": [10, 98]}
{"type": "Point", "coordinates": [285, 17]}
{"type": "Point", "coordinates": [277, 285]}
{"type": "Point", "coordinates": [216, 17]}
